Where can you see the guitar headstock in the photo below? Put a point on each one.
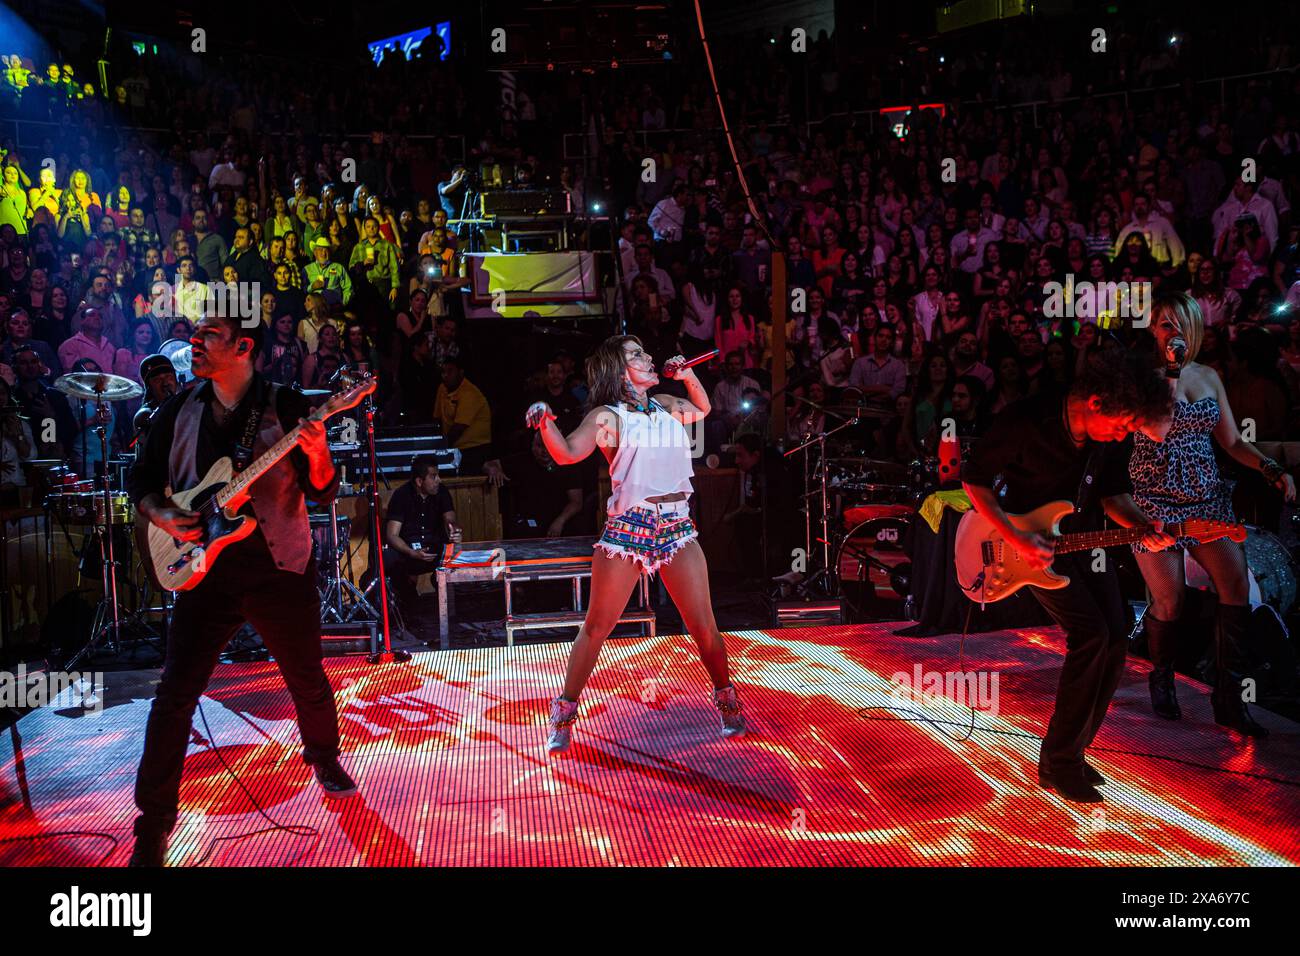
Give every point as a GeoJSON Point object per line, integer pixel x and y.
{"type": "Point", "coordinates": [1205, 530]}
{"type": "Point", "coordinates": [356, 386]}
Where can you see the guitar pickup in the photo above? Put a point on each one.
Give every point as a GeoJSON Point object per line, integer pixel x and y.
{"type": "Point", "coordinates": [184, 559]}
{"type": "Point", "coordinates": [986, 552]}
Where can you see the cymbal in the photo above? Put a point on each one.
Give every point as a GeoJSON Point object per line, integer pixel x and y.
{"type": "Point", "coordinates": [98, 386]}
{"type": "Point", "coordinates": [313, 392]}
{"type": "Point", "coordinates": [870, 462]}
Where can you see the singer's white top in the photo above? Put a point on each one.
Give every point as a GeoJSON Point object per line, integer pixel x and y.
{"type": "Point", "coordinates": [653, 458]}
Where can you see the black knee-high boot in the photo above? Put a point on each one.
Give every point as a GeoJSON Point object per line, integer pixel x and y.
{"type": "Point", "coordinates": [1229, 708]}
{"type": "Point", "coordinates": [1161, 644]}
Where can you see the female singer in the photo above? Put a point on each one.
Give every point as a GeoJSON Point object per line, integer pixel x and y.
{"type": "Point", "coordinates": [648, 528]}
{"type": "Point", "coordinates": [1176, 479]}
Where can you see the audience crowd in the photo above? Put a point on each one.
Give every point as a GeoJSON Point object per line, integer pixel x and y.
{"type": "Point", "coordinates": [919, 267]}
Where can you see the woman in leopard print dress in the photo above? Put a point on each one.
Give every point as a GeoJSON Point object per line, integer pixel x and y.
{"type": "Point", "coordinates": [1175, 477]}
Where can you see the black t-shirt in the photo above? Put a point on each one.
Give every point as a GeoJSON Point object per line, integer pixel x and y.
{"type": "Point", "coordinates": [1028, 445]}
{"type": "Point", "coordinates": [421, 515]}
{"type": "Point", "coordinates": [567, 408]}
{"type": "Point", "coordinates": [537, 493]}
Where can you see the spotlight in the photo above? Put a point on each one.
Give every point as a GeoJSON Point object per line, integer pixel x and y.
{"type": "Point", "coordinates": [596, 207]}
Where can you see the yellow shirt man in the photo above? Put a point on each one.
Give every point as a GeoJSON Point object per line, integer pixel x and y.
{"type": "Point", "coordinates": [463, 411]}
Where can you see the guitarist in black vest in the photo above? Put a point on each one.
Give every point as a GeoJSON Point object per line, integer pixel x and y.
{"type": "Point", "coordinates": [267, 580]}
{"type": "Point", "coordinates": [1073, 448]}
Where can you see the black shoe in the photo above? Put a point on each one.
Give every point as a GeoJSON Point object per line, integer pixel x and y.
{"type": "Point", "coordinates": [1164, 699]}
{"type": "Point", "coordinates": [1231, 711]}
{"type": "Point", "coordinates": [333, 779]}
{"type": "Point", "coordinates": [1089, 774]}
{"type": "Point", "coordinates": [1074, 787]}
{"type": "Point", "coordinates": [150, 849]}
{"type": "Point", "coordinates": [1162, 645]}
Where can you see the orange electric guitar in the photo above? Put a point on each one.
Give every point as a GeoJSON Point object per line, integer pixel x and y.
{"type": "Point", "coordinates": [989, 568]}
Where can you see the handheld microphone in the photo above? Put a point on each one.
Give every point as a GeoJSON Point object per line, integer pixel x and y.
{"type": "Point", "coordinates": [1175, 354]}
{"type": "Point", "coordinates": [691, 363]}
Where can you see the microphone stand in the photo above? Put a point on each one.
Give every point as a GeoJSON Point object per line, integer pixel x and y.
{"type": "Point", "coordinates": [387, 655]}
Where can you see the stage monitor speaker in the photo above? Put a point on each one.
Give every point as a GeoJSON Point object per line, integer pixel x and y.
{"type": "Point", "coordinates": [814, 613]}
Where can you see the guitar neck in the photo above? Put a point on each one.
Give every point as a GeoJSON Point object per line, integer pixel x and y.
{"type": "Point", "coordinates": [261, 465]}
{"type": "Point", "coordinates": [1087, 540]}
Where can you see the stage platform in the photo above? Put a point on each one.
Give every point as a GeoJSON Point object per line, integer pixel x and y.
{"type": "Point", "coordinates": [448, 753]}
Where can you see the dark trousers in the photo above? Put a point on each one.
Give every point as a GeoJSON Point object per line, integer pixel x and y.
{"type": "Point", "coordinates": [1091, 612]}
{"type": "Point", "coordinates": [405, 573]}
{"type": "Point", "coordinates": [243, 585]}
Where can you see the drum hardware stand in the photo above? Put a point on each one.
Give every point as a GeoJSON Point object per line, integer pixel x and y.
{"type": "Point", "coordinates": [825, 576]}
{"type": "Point", "coordinates": [331, 599]}
{"type": "Point", "coordinates": [332, 609]}
{"type": "Point", "coordinates": [107, 607]}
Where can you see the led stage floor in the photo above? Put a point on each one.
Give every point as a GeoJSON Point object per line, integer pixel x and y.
{"type": "Point", "coordinates": [448, 752]}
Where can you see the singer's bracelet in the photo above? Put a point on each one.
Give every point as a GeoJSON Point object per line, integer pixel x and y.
{"type": "Point", "coordinates": [1271, 470]}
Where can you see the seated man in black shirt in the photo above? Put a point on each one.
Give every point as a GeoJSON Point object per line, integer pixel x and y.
{"type": "Point", "coordinates": [267, 579]}
{"type": "Point", "coordinates": [420, 521]}
{"type": "Point", "coordinates": [1073, 448]}
{"type": "Point", "coordinates": [543, 498]}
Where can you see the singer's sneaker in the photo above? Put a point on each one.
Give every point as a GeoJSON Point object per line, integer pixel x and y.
{"type": "Point", "coordinates": [563, 714]}
{"type": "Point", "coordinates": [728, 704]}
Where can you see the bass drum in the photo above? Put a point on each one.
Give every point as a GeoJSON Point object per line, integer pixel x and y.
{"type": "Point", "coordinates": [1271, 568]}
{"type": "Point", "coordinates": [874, 568]}
{"type": "Point", "coordinates": [1272, 571]}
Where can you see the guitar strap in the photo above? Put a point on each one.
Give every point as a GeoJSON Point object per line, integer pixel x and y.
{"type": "Point", "coordinates": [244, 450]}
{"type": "Point", "coordinates": [1084, 495]}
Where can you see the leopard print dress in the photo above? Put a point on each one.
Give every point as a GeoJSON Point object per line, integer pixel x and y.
{"type": "Point", "coordinates": [1178, 478]}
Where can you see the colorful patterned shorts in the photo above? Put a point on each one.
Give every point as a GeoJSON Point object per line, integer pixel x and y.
{"type": "Point", "coordinates": [648, 534]}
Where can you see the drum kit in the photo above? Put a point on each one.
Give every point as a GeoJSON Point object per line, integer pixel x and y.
{"type": "Point", "coordinates": [111, 548]}
{"type": "Point", "coordinates": [862, 508]}
{"type": "Point", "coordinates": [102, 508]}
